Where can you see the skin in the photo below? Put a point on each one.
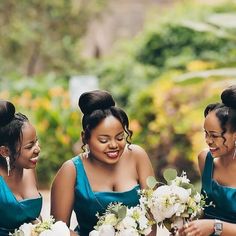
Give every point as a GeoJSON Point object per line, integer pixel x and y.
{"type": "Point", "coordinates": [223, 163]}
{"type": "Point", "coordinates": [22, 178]}
{"type": "Point", "coordinates": [109, 156]}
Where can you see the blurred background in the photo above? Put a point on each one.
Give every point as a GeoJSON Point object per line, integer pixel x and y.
{"type": "Point", "coordinates": [163, 61]}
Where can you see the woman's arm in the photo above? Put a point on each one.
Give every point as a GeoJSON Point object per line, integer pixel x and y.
{"type": "Point", "coordinates": [205, 227]}
{"type": "Point", "coordinates": [201, 160]}
{"type": "Point", "coordinates": [143, 165]}
{"type": "Point", "coordinates": [62, 193]}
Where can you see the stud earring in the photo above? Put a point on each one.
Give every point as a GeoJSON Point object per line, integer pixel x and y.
{"type": "Point", "coordinates": [86, 152]}
{"type": "Point", "coordinates": [234, 150]}
{"type": "Point", "coordinates": [8, 165]}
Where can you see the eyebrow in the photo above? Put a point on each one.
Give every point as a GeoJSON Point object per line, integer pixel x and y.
{"type": "Point", "coordinates": [106, 135]}
{"type": "Point", "coordinates": [213, 131]}
{"type": "Point", "coordinates": [31, 142]}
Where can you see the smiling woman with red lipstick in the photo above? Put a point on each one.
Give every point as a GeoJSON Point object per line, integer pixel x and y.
{"type": "Point", "coordinates": [111, 169]}
{"type": "Point", "coordinates": [20, 201]}
{"type": "Point", "coordinates": [218, 169]}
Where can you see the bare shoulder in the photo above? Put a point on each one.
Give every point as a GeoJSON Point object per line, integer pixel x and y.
{"type": "Point", "coordinates": [66, 173]}
{"type": "Point", "coordinates": [143, 164]}
{"type": "Point", "coordinates": [201, 159]}
{"type": "Point", "coordinates": [137, 151]}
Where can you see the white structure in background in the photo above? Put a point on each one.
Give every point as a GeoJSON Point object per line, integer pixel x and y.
{"type": "Point", "coordinates": [79, 84]}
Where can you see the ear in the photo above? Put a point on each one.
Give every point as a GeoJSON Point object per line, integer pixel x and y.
{"type": "Point", "coordinates": [4, 151]}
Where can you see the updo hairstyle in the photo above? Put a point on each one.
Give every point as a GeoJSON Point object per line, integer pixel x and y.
{"type": "Point", "coordinates": [11, 129]}
{"type": "Point", "coordinates": [226, 110]}
{"type": "Point", "coordinates": [96, 105]}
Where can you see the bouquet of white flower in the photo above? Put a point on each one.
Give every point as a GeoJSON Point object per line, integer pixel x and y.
{"type": "Point", "coordinates": [43, 228]}
{"type": "Point", "coordinates": [174, 203]}
{"type": "Point", "coordinates": [120, 220]}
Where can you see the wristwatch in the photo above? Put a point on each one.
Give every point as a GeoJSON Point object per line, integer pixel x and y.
{"type": "Point", "coordinates": [218, 227]}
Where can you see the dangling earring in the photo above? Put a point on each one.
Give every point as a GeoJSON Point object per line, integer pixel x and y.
{"type": "Point", "coordinates": [234, 150]}
{"type": "Point", "coordinates": [8, 165]}
{"type": "Point", "coordinates": [86, 152]}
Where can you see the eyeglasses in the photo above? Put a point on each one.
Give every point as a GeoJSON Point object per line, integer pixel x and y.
{"type": "Point", "coordinates": [213, 136]}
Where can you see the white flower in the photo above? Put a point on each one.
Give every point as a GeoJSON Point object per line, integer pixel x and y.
{"type": "Point", "coordinates": [110, 219]}
{"type": "Point", "coordinates": [128, 232]}
{"type": "Point", "coordinates": [60, 229]}
{"type": "Point", "coordinates": [106, 230]}
{"type": "Point", "coordinates": [173, 203]}
{"type": "Point", "coordinates": [94, 233]}
{"type": "Point", "coordinates": [127, 222]}
{"type": "Point", "coordinates": [47, 232]}
{"type": "Point", "coordinates": [183, 194]}
{"type": "Point", "coordinates": [44, 228]}
{"type": "Point", "coordinates": [27, 228]}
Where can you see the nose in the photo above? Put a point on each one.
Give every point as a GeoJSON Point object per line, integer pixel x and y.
{"type": "Point", "coordinates": [113, 144]}
{"type": "Point", "coordinates": [208, 139]}
{"type": "Point", "coordinates": [37, 148]}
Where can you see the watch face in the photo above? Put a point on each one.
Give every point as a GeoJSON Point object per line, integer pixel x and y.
{"type": "Point", "coordinates": [218, 226]}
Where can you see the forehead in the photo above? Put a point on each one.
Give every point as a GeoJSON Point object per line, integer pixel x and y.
{"type": "Point", "coordinates": [211, 122]}
{"type": "Point", "coordinates": [28, 131]}
{"type": "Point", "coordinates": [108, 126]}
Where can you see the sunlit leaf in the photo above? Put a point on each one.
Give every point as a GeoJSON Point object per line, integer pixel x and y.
{"type": "Point", "coordinates": [169, 174]}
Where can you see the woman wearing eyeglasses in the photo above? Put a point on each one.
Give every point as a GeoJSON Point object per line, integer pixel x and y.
{"type": "Point", "coordinates": [218, 169]}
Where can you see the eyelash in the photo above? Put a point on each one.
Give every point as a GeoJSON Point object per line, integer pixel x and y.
{"type": "Point", "coordinates": [118, 138]}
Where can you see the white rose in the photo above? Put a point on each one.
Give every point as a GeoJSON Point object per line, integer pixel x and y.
{"type": "Point", "coordinates": [127, 222]}
{"type": "Point", "coordinates": [60, 229]}
{"type": "Point", "coordinates": [47, 232]}
{"type": "Point", "coordinates": [128, 232]}
{"type": "Point", "coordinates": [182, 193]}
{"type": "Point", "coordinates": [27, 228]}
{"type": "Point", "coordinates": [162, 190]}
{"type": "Point", "coordinates": [106, 230]}
{"type": "Point", "coordinates": [94, 233]}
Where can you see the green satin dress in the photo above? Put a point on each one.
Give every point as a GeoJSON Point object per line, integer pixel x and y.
{"type": "Point", "coordinates": [88, 203]}
{"type": "Point", "coordinates": [223, 197]}
{"type": "Point", "coordinates": [14, 213]}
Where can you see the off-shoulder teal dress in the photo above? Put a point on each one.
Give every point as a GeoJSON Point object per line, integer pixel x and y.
{"type": "Point", "coordinates": [88, 203]}
{"type": "Point", "coordinates": [223, 197]}
{"type": "Point", "coordinates": [14, 213]}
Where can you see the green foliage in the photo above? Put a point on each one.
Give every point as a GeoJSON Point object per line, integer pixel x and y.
{"type": "Point", "coordinates": [191, 57]}
{"type": "Point", "coordinates": [38, 37]}
{"type": "Point", "coordinates": [169, 174]}
{"type": "Point", "coordinates": [151, 182]}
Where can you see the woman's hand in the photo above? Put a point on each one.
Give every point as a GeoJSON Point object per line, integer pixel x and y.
{"type": "Point", "coordinates": [197, 228]}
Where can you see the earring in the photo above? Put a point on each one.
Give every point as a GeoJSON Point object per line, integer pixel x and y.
{"type": "Point", "coordinates": [234, 150]}
{"type": "Point", "coordinates": [8, 165]}
{"type": "Point", "coordinates": [86, 152]}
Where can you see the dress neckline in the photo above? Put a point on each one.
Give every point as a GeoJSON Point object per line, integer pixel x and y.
{"type": "Point", "coordinates": [13, 195]}
{"type": "Point", "coordinates": [104, 192]}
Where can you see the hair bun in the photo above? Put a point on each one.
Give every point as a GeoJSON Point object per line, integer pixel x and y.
{"type": "Point", "coordinates": [228, 97]}
{"type": "Point", "coordinates": [7, 112]}
{"type": "Point", "coordinates": [95, 100]}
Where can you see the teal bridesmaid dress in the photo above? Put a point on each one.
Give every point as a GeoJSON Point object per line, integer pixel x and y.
{"type": "Point", "coordinates": [14, 213]}
{"type": "Point", "coordinates": [88, 203]}
{"type": "Point", "coordinates": [223, 197]}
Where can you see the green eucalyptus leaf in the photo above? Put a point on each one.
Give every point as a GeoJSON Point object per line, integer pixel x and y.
{"type": "Point", "coordinates": [169, 174]}
{"type": "Point", "coordinates": [151, 182]}
{"type": "Point", "coordinates": [122, 212]}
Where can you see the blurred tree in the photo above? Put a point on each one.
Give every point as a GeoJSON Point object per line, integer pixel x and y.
{"type": "Point", "coordinates": [42, 36]}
